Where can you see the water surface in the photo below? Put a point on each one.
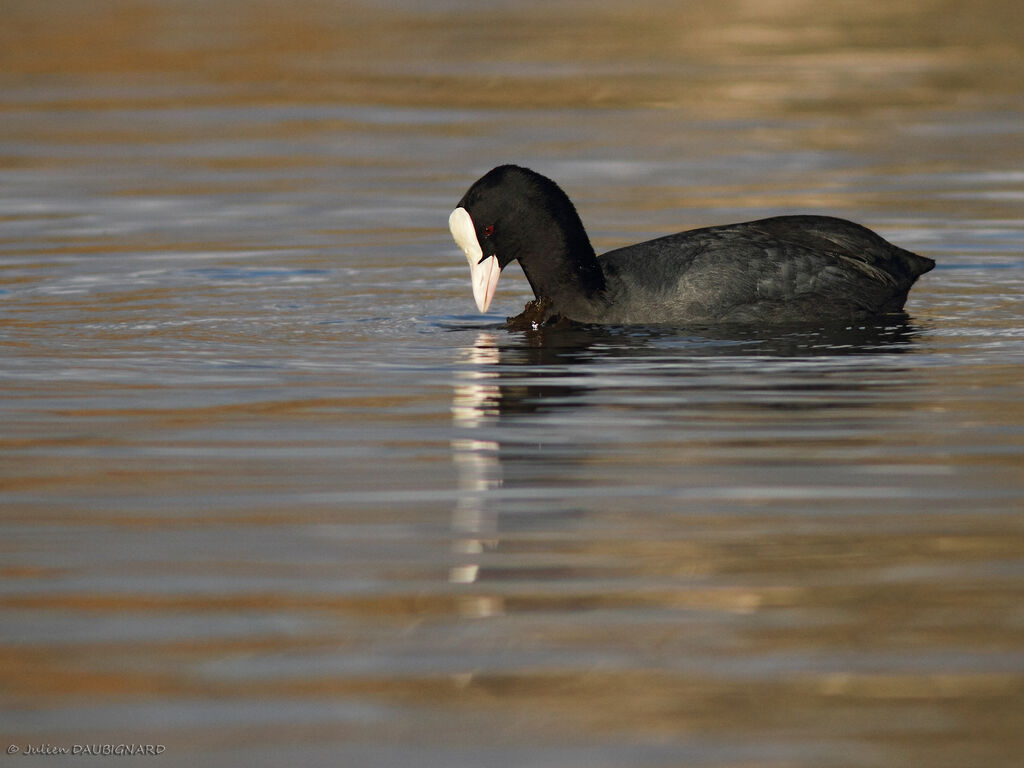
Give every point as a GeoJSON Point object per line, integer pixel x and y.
{"type": "Point", "coordinates": [271, 491]}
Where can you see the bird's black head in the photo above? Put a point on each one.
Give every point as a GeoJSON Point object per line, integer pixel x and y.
{"type": "Point", "coordinates": [512, 213]}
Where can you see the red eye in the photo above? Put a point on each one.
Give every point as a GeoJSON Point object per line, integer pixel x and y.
{"type": "Point", "coordinates": [488, 230]}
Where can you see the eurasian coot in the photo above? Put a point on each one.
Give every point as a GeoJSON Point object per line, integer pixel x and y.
{"type": "Point", "coordinates": [785, 269]}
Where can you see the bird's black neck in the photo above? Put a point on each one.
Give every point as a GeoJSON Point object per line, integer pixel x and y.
{"type": "Point", "coordinates": [564, 269]}
{"type": "Point", "coordinates": [560, 262]}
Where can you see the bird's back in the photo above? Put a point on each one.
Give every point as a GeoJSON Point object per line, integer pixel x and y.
{"type": "Point", "coordinates": [781, 269]}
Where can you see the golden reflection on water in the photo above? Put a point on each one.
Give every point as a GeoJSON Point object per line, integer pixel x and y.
{"type": "Point", "coordinates": [845, 57]}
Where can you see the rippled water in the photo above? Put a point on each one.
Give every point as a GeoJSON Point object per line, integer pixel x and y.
{"type": "Point", "coordinates": [271, 491]}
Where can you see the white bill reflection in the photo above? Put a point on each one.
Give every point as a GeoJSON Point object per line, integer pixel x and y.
{"type": "Point", "coordinates": [474, 404]}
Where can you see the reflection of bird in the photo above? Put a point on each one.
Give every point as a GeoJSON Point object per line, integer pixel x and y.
{"type": "Point", "coordinates": [479, 472]}
{"type": "Point", "coordinates": [780, 270]}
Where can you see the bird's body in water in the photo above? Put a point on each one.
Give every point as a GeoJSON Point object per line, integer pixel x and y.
{"type": "Point", "coordinates": [780, 270]}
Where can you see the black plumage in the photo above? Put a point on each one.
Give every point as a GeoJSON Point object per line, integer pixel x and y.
{"type": "Point", "coordinates": [786, 269]}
